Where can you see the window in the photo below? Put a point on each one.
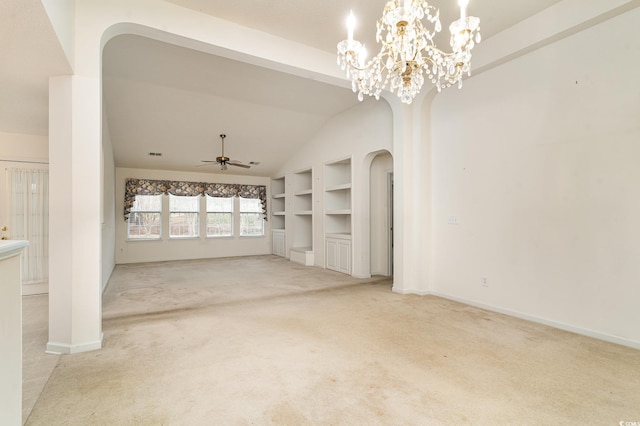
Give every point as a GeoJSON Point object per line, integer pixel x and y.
{"type": "Point", "coordinates": [145, 218]}
{"type": "Point", "coordinates": [183, 216]}
{"type": "Point", "coordinates": [251, 220]}
{"type": "Point", "coordinates": [219, 217]}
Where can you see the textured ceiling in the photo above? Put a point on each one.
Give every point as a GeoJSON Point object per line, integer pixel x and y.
{"type": "Point", "coordinates": [164, 98]}
{"type": "Point", "coordinates": [29, 54]}
{"type": "Point", "coordinates": [321, 24]}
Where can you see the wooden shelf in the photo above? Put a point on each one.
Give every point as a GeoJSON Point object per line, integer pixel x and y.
{"type": "Point", "coordinates": [337, 197]}
{"type": "Point", "coordinates": [338, 235]}
{"type": "Point", "coordinates": [278, 207]}
{"type": "Point", "coordinates": [302, 249]}
{"type": "Point", "coordinates": [339, 187]}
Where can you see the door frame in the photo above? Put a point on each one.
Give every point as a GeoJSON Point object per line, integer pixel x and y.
{"type": "Point", "coordinates": [5, 212]}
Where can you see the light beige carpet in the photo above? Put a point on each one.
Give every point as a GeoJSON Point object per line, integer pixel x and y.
{"type": "Point", "coordinates": [260, 340]}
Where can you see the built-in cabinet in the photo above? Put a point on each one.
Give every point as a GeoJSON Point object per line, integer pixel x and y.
{"type": "Point", "coordinates": [279, 242]}
{"type": "Point", "coordinates": [292, 204]}
{"type": "Point", "coordinates": [338, 252]}
{"type": "Point", "coordinates": [302, 247]}
{"type": "Point", "coordinates": [337, 215]}
{"type": "Point", "coordinates": [278, 217]}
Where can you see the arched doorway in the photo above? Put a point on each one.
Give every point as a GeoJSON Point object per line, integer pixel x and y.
{"type": "Point", "coordinates": [381, 214]}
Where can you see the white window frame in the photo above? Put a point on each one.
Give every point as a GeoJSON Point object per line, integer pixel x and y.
{"type": "Point", "coordinates": [134, 212]}
{"type": "Point", "coordinates": [251, 212]}
{"type": "Point", "coordinates": [195, 213]}
{"type": "Point", "coordinates": [219, 212]}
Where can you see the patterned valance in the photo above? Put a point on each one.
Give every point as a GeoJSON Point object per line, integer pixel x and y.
{"type": "Point", "coordinates": [135, 187]}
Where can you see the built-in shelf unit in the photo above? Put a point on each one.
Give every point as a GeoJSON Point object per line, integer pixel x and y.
{"type": "Point", "coordinates": [302, 248]}
{"type": "Point", "coordinates": [337, 215]}
{"type": "Point", "coordinates": [278, 203]}
{"type": "Point", "coordinates": [278, 217]}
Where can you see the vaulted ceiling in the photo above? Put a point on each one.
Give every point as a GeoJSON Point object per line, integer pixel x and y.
{"type": "Point", "coordinates": [159, 97]}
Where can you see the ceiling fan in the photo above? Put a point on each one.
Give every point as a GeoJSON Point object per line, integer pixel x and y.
{"type": "Point", "coordinates": [224, 161]}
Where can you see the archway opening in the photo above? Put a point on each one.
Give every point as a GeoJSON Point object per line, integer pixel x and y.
{"type": "Point", "coordinates": [381, 214]}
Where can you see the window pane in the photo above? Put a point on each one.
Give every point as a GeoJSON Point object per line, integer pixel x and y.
{"type": "Point", "coordinates": [183, 225]}
{"type": "Point", "coordinates": [144, 226]}
{"type": "Point", "coordinates": [218, 204]}
{"type": "Point", "coordinates": [183, 204]}
{"type": "Point", "coordinates": [219, 217]}
{"type": "Point", "coordinates": [250, 205]}
{"type": "Point", "coordinates": [251, 224]}
{"type": "Point", "coordinates": [145, 218]}
{"type": "Point", "coordinates": [219, 224]}
{"type": "Point", "coordinates": [147, 203]}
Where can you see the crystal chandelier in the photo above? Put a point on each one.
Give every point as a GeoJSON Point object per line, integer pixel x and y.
{"type": "Point", "coordinates": [409, 54]}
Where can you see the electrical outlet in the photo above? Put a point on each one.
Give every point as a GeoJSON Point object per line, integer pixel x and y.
{"type": "Point", "coordinates": [484, 282]}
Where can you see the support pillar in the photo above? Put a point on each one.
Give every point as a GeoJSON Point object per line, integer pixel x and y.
{"type": "Point", "coordinates": [412, 192]}
{"type": "Point", "coordinates": [75, 297]}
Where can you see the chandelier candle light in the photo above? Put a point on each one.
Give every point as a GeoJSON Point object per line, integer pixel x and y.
{"type": "Point", "coordinates": [408, 52]}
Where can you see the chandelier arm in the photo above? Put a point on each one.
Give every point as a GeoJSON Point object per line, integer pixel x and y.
{"type": "Point", "coordinates": [353, 62]}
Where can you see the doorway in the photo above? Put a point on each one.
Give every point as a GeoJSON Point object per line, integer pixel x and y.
{"type": "Point", "coordinates": [381, 214]}
{"type": "Point", "coordinates": [24, 215]}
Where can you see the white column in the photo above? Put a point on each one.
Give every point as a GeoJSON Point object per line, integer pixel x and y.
{"type": "Point", "coordinates": [412, 215]}
{"type": "Point", "coordinates": [75, 313]}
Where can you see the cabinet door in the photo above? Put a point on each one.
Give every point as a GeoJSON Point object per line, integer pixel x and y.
{"type": "Point", "coordinates": [344, 256]}
{"type": "Point", "coordinates": [278, 242]}
{"type": "Point", "coordinates": [331, 254]}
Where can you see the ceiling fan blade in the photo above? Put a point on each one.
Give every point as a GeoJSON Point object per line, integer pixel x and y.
{"type": "Point", "coordinates": [239, 165]}
{"type": "Point", "coordinates": [222, 160]}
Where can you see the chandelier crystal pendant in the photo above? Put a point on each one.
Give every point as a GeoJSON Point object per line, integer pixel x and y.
{"type": "Point", "coordinates": [409, 54]}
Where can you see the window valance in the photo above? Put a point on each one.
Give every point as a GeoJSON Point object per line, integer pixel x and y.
{"type": "Point", "coordinates": [135, 187]}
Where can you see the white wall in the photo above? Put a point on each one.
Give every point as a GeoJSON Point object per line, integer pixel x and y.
{"type": "Point", "coordinates": [61, 14]}
{"type": "Point", "coordinates": [539, 160]}
{"type": "Point", "coordinates": [199, 248]}
{"type": "Point", "coordinates": [23, 147]}
{"type": "Point", "coordinates": [356, 132]}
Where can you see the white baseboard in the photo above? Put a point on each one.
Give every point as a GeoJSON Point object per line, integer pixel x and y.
{"type": "Point", "coordinates": [362, 277]}
{"type": "Point", "coordinates": [410, 291]}
{"type": "Point", "coordinates": [555, 324]}
{"type": "Point", "coordinates": [65, 349]}
{"type": "Point", "coordinates": [35, 288]}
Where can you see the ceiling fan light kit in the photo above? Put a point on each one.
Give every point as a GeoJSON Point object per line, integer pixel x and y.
{"type": "Point", "coordinates": [408, 53]}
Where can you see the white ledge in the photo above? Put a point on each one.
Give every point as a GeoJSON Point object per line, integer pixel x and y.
{"type": "Point", "coordinates": [10, 248]}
